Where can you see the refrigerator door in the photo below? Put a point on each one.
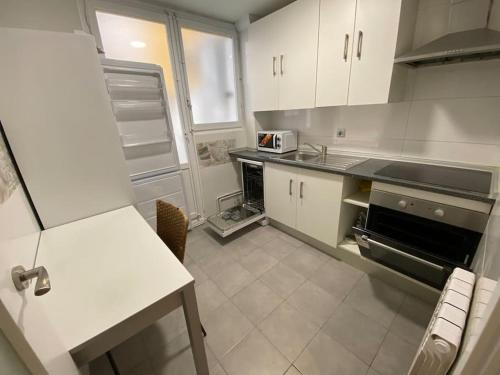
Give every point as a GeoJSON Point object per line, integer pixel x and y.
{"type": "Point", "coordinates": [55, 111]}
{"type": "Point", "coordinates": [140, 106]}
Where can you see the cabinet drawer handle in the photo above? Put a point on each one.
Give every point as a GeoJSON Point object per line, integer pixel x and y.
{"type": "Point", "coordinates": [346, 46]}
{"type": "Point", "coordinates": [360, 44]}
{"type": "Point", "coordinates": [290, 187]}
{"type": "Point", "coordinates": [301, 189]}
{"type": "Point", "coordinates": [274, 66]}
{"type": "Point", "coordinates": [282, 57]}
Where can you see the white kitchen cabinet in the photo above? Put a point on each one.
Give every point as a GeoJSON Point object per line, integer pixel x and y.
{"type": "Point", "coordinates": [308, 201]}
{"type": "Point", "coordinates": [318, 205]}
{"type": "Point", "coordinates": [336, 35]}
{"type": "Point", "coordinates": [282, 57]}
{"type": "Point", "coordinates": [358, 41]}
{"type": "Point", "coordinates": [280, 193]}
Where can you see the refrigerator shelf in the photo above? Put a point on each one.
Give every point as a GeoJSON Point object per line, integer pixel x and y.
{"type": "Point", "coordinates": [135, 110]}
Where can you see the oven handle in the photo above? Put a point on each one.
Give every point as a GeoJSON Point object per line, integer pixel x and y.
{"type": "Point", "coordinates": [402, 253]}
{"type": "Point", "coordinates": [248, 161]}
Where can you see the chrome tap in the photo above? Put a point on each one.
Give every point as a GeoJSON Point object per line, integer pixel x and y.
{"type": "Point", "coordinates": [21, 279]}
{"type": "Point", "coordinates": [322, 152]}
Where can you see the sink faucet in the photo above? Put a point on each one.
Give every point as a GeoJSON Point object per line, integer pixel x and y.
{"type": "Point", "coordinates": [322, 152]}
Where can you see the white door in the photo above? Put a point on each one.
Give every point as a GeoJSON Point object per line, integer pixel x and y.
{"type": "Point", "coordinates": [318, 205]}
{"type": "Point", "coordinates": [280, 193]}
{"type": "Point", "coordinates": [298, 25]}
{"type": "Point", "coordinates": [376, 34]}
{"type": "Point", "coordinates": [23, 320]}
{"type": "Point", "coordinates": [336, 31]}
{"type": "Point", "coordinates": [263, 64]}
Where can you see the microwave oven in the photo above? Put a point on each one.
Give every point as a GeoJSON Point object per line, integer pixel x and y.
{"type": "Point", "coordinates": [277, 141]}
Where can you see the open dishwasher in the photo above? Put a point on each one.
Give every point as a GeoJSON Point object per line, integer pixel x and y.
{"type": "Point", "coordinates": [241, 208]}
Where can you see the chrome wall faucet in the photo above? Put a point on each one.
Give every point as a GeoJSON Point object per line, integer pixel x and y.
{"type": "Point", "coordinates": [21, 279]}
{"type": "Point", "coordinates": [322, 152]}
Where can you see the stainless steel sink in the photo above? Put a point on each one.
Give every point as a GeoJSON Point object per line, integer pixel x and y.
{"type": "Point", "coordinates": [299, 156]}
{"type": "Point", "coordinates": [340, 162]}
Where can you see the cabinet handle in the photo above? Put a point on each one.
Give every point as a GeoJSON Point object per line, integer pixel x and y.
{"type": "Point", "coordinates": [290, 187]}
{"type": "Point", "coordinates": [346, 46]}
{"type": "Point", "coordinates": [301, 188]}
{"type": "Point", "coordinates": [360, 44]}
{"type": "Point", "coordinates": [282, 57]}
{"type": "Point", "coordinates": [274, 66]}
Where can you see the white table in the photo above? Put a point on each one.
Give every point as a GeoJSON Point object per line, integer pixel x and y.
{"type": "Point", "coordinates": [111, 277]}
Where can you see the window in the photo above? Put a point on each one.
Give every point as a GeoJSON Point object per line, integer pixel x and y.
{"type": "Point", "coordinates": [210, 68]}
{"type": "Point", "coordinates": [132, 39]}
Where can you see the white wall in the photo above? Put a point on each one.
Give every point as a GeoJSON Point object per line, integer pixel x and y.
{"type": "Point", "coordinates": [452, 112]}
{"type": "Point", "coordinates": [53, 15]}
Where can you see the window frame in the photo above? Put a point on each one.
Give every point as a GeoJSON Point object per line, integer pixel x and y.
{"type": "Point", "coordinates": [221, 30]}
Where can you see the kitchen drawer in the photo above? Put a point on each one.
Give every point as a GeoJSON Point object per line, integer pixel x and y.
{"type": "Point", "coordinates": [156, 187]}
{"type": "Point", "coordinates": [148, 208]}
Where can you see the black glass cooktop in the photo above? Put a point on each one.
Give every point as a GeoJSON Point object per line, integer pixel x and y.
{"type": "Point", "coordinates": [455, 178]}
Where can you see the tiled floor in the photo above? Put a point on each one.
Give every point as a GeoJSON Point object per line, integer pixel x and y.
{"type": "Point", "coordinates": [273, 305]}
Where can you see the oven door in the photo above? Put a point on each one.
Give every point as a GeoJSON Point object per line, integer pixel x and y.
{"type": "Point", "coordinates": [430, 270]}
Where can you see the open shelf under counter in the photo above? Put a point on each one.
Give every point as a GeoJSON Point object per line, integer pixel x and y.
{"type": "Point", "coordinates": [350, 245]}
{"type": "Point", "coordinates": [360, 198]}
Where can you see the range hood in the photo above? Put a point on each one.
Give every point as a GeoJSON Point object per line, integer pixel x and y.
{"type": "Point", "coordinates": [479, 43]}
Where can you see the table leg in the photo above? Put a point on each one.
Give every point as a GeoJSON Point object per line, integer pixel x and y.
{"type": "Point", "coordinates": [194, 329]}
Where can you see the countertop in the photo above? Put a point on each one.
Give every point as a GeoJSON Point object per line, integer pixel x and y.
{"type": "Point", "coordinates": [366, 170]}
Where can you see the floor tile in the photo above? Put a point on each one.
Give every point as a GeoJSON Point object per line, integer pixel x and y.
{"type": "Point", "coordinates": [175, 358]}
{"type": "Point", "coordinates": [278, 248]}
{"type": "Point", "coordinates": [325, 356]}
{"type": "Point", "coordinates": [213, 265]}
{"type": "Point", "coordinates": [336, 277]}
{"type": "Point", "coordinates": [232, 279]}
{"type": "Point", "coordinates": [282, 280]}
{"type": "Point", "coordinates": [209, 297]}
{"type": "Point", "coordinates": [412, 320]}
{"type": "Point", "coordinates": [314, 302]}
{"type": "Point", "coordinates": [356, 332]}
{"type": "Point", "coordinates": [218, 370]}
{"type": "Point", "coordinates": [255, 355]}
{"type": "Point", "coordinates": [376, 299]}
{"type": "Point", "coordinates": [164, 330]}
{"type": "Point", "coordinates": [226, 327]}
{"type": "Point", "coordinates": [258, 262]}
{"type": "Point", "coordinates": [291, 240]}
{"type": "Point", "coordinates": [292, 371]}
{"type": "Point", "coordinates": [201, 248]}
{"type": "Point", "coordinates": [256, 301]}
{"type": "Point", "coordinates": [239, 247]}
{"type": "Point", "coordinates": [197, 273]}
{"type": "Point", "coordinates": [395, 356]}
{"type": "Point", "coordinates": [288, 330]}
{"type": "Point", "coordinates": [313, 251]}
{"type": "Point", "coordinates": [130, 353]}
{"type": "Point", "coordinates": [263, 235]}
{"type": "Point", "coordinates": [303, 262]}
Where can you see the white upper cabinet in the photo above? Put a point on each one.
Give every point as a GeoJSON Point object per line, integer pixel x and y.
{"type": "Point", "coordinates": [282, 56]}
{"type": "Point", "coordinates": [377, 24]}
{"type": "Point", "coordinates": [336, 35]}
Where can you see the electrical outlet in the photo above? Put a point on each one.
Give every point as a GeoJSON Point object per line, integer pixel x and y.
{"type": "Point", "coordinates": [340, 132]}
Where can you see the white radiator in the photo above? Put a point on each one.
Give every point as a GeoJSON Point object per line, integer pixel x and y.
{"type": "Point", "coordinates": [441, 341]}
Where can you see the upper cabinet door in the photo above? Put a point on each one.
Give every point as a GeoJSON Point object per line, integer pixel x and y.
{"type": "Point", "coordinates": [336, 31]}
{"type": "Point", "coordinates": [263, 64]}
{"type": "Point", "coordinates": [376, 33]}
{"type": "Point", "coordinates": [298, 25]}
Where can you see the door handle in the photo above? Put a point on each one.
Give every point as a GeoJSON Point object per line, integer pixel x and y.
{"type": "Point", "coordinates": [274, 66]}
{"type": "Point", "coordinates": [282, 57]}
{"type": "Point", "coordinates": [360, 44]}
{"type": "Point", "coordinates": [290, 187]}
{"type": "Point", "coordinates": [402, 253]}
{"type": "Point", "coordinates": [301, 189]}
{"type": "Point", "coordinates": [346, 46]}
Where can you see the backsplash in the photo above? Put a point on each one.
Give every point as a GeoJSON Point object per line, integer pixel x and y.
{"type": "Point", "coordinates": [453, 114]}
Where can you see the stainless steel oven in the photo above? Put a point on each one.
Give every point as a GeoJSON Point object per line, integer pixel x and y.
{"type": "Point", "coordinates": [423, 239]}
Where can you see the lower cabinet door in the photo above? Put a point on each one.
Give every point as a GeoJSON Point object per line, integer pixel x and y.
{"type": "Point", "coordinates": [280, 193]}
{"type": "Point", "coordinates": [319, 199]}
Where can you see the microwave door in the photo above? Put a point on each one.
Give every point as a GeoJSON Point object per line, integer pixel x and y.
{"type": "Point", "coordinates": [267, 140]}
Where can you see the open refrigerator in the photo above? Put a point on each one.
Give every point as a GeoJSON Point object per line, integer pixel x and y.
{"type": "Point", "coordinates": [140, 106]}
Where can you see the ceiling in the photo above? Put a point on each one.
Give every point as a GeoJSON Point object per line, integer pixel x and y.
{"type": "Point", "coordinates": [226, 10]}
